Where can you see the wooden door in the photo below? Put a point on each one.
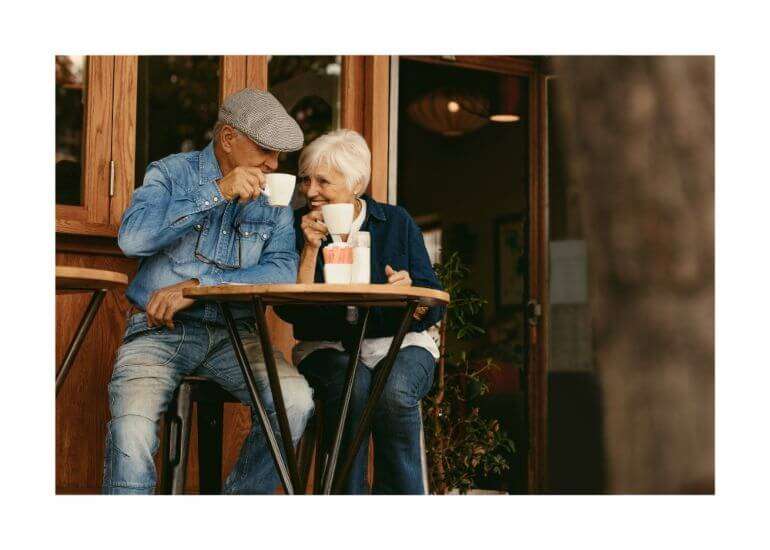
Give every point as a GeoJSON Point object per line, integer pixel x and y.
{"type": "Point", "coordinates": [537, 251]}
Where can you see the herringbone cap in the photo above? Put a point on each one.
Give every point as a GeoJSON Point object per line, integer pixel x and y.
{"type": "Point", "coordinates": [259, 115]}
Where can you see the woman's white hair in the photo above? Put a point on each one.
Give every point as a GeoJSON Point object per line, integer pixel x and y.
{"type": "Point", "coordinates": [343, 150]}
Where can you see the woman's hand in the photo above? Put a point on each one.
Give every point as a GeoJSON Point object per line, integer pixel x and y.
{"type": "Point", "coordinates": [314, 229]}
{"type": "Point", "coordinates": [400, 278]}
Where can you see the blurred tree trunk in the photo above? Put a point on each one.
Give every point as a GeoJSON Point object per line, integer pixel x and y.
{"type": "Point", "coordinates": [639, 134]}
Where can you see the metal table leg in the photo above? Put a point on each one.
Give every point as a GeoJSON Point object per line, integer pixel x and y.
{"type": "Point", "coordinates": [349, 381]}
{"type": "Point", "coordinates": [80, 335]}
{"type": "Point", "coordinates": [374, 396]}
{"type": "Point", "coordinates": [277, 393]}
{"type": "Point", "coordinates": [264, 420]}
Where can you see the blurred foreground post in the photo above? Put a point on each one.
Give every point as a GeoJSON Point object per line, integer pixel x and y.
{"type": "Point", "coordinates": [639, 135]}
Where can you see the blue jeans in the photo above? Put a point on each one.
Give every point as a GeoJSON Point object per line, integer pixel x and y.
{"type": "Point", "coordinates": [396, 423]}
{"type": "Point", "coordinates": [148, 368]}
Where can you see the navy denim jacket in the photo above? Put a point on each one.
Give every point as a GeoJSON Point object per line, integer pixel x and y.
{"type": "Point", "coordinates": [182, 228]}
{"type": "Point", "coordinates": [396, 241]}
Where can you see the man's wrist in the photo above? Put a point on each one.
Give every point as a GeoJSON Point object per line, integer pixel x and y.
{"type": "Point", "coordinates": [211, 195]}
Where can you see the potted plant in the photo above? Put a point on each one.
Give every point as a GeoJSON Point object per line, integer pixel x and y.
{"type": "Point", "coordinates": [461, 445]}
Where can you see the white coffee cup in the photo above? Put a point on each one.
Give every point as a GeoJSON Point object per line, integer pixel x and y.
{"type": "Point", "coordinates": [338, 217]}
{"type": "Point", "coordinates": [338, 273]}
{"type": "Point", "coordinates": [279, 188]}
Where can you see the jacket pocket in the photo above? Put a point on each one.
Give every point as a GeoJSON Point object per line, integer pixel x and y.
{"type": "Point", "coordinates": [253, 235]}
{"type": "Point", "coordinates": [182, 251]}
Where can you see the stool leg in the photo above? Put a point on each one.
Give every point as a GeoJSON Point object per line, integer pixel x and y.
{"type": "Point", "coordinates": [320, 451]}
{"type": "Point", "coordinates": [169, 446]}
{"type": "Point", "coordinates": [181, 441]}
{"type": "Point", "coordinates": [210, 417]}
{"type": "Point", "coordinates": [305, 450]}
{"type": "Point", "coordinates": [423, 455]}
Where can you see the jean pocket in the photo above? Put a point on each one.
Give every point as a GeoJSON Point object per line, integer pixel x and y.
{"type": "Point", "coordinates": [143, 345]}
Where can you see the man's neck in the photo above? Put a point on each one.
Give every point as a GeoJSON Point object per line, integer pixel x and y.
{"type": "Point", "coordinates": [224, 164]}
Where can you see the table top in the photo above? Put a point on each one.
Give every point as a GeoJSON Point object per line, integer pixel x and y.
{"type": "Point", "coordinates": [321, 293]}
{"type": "Point", "coordinates": [83, 278]}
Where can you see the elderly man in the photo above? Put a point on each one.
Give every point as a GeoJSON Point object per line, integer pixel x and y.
{"type": "Point", "coordinates": [200, 218]}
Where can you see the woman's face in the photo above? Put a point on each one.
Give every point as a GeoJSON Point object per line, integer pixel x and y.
{"type": "Point", "coordinates": [325, 185]}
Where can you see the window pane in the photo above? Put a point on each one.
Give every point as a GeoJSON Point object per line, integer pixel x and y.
{"type": "Point", "coordinates": [308, 86]}
{"type": "Point", "coordinates": [70, 109]}
{"type": "Point", "coordinates": [177, 103]}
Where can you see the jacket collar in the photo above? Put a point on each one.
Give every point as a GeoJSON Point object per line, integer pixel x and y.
{"type": "Point", "coordinates": [208, 166]}
{"type": "Point", "coordinates": [373, 208]}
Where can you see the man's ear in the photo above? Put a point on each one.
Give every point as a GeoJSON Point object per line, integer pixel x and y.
{"type": "Point", "coordinates": [226, 136]}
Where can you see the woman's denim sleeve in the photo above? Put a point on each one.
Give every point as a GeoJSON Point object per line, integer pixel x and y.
{"type": "Point", "coordinates": [422, 274]}
{"type": "Point", "coordinates": [161, 212]}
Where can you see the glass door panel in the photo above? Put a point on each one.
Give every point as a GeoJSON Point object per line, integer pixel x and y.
{"type": "Point", "coordinates": [70, 124]}
{"type": "Point", "coordinates": [308, 86]}
{"type": "Point", "coordinates": [177, 104]}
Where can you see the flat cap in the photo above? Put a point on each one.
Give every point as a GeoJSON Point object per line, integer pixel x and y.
{"type": "Point", "coordinates": [259, 115]}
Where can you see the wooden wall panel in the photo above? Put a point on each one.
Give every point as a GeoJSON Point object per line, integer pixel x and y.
{"type": "Point", "coordinates": [81, 408]}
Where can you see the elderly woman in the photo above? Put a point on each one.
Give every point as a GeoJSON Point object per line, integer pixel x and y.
{"type": "Point", "coordinates": [336, 168]}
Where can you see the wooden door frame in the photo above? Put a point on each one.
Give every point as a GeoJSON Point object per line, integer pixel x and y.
{"type": "Point", "coordinates": [537, 223]}
{"type": "Point", "coordinates": [365, 109]}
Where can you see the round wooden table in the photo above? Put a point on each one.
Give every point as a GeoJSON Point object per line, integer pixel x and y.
{"type": "Point", "coordinates": [78, 280]}
{"type": "Point", "coordinates": [357, 295]}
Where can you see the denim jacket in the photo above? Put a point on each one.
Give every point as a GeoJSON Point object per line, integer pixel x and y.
{"type": "Point", "coordinates": [182, 228]}
{"type": "Point", "coordinates": [396, 240]}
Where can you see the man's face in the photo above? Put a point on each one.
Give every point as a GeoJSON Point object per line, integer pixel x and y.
{"type": "Point", "coordinates": [325, 185]}
{"type": "Point", "coordinates": [239, 150]}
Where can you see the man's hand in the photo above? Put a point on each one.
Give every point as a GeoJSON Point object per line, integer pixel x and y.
{"type": "Point", "coordinates": [165, 302]}
{"type": "Point", "coordinates": [243, 183]}
{"type": "Point", "coordinates": [400, 278]}
{"type": "Point", "coordinates": [314, 229]}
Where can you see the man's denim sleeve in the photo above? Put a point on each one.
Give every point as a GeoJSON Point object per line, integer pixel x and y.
{"type": "Point", "coordinates": [160, 212]}
{"type": "Point", "coordinates": [277, 264]}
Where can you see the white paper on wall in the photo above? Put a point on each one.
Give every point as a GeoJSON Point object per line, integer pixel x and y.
{"type": "Point", "coordinates": [569, 280]}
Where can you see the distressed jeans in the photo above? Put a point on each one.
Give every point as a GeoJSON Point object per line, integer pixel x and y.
{"type": "Point", "coordinates": [396, 423]}
{"type": "Point", "coordinates": [149, 367]}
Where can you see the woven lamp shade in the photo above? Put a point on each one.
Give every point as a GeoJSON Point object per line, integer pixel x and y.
{"type": "Point", "coordinates": [449, 113]}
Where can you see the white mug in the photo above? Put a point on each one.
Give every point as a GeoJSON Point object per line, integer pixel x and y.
{"type": "Point", "coordinates": [279, 188]}
{"type": "Point", "coordinates": [338, 273]}
{"type": "Point", "coordinates": [338, 217]}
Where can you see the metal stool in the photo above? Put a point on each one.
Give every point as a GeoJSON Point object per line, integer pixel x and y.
{"type": "Point", "coordinates": [210, 399]}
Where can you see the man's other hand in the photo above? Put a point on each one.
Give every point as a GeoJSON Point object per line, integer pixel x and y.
{"type": "Point", "coordinates": [165, 302]}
